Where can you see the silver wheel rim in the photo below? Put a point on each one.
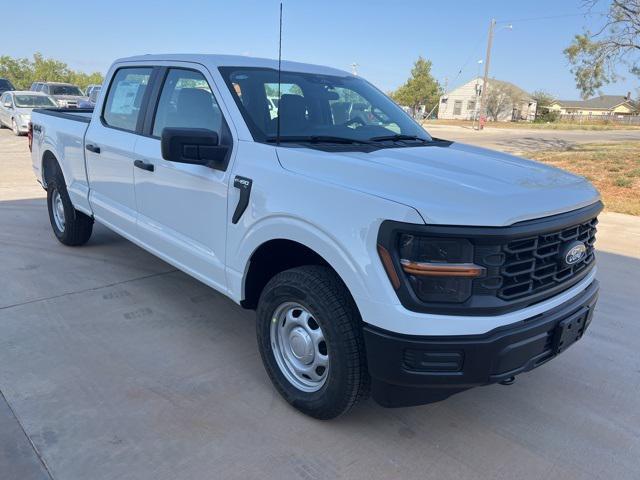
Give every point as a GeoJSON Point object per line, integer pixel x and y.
{"type": "Point", "coordinates": [14, 126]}
{"type": "Point", "coordinates": [299, 347]}
{"type": "Point", "coordinates": [58, 210]}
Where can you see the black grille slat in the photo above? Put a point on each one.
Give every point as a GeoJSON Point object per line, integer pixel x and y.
{"type": "Point", "coordinates": [532, 264]}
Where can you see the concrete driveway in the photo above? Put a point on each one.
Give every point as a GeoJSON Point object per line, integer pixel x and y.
{"type": "Point", "coordinates": [115, 366]}
{"type": "Point", "coordinates": [522, 140]}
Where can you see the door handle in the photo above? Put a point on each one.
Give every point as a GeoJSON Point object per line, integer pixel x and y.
{"type": "Point", "coordinates": [92, 148]}
{"type": "Point", "coordinates": [144, 165]}
{"type": "Point", "coordinates": [244, 185]}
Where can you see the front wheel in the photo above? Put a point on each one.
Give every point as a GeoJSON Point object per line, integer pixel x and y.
{"type": "Point", "coordinates": [69, 225]}
{"type": "Point", "coordinates": [14, 127]}
{"type": "Point", "coordinates": [310, 339]}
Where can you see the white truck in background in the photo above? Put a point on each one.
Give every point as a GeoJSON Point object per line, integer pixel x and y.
{"type": "Point", "coordinates": [379, 259]}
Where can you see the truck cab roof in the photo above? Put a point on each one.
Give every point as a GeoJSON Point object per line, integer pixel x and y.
{"type": "Point", "coordinates": [235, 61]}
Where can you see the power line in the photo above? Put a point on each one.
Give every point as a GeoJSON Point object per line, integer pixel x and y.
{"type": "Point", "coordinates": [551, 17]}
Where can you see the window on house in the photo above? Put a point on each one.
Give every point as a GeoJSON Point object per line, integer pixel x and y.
{"type": "Point", "coordinates": [471, 105]}
{"type": "Point", "coordinates": [457, 107]}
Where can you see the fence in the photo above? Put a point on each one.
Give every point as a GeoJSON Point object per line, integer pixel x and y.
{"type": "Point", "coordinates": [614, 119]}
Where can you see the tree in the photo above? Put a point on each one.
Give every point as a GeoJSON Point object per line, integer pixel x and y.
{"type": "Point", "coordinates": [22, 72]}
{"type": "Point", "coordinates": [420, 89]}
{"type": "Point", "coordinates": [502, 97]}
{"type": "Point", "coordinates": [543, 101]}
{"type": "Point", "coordinates": [597, 57]}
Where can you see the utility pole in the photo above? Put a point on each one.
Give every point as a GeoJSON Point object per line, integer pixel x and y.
{"type": "Point", "coordinates": [354, 68]}
{"type": "Point", "coordinates": [483, 97]}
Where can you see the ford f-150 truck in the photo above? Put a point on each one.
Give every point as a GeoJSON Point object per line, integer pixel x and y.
{"type": "Point", "coordinates": [380, 260]}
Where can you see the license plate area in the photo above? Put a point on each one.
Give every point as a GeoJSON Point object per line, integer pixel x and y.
{"type": "Point", "coordinates": [571, 329]}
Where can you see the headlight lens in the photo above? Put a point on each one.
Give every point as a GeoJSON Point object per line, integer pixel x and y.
{"type": "Point", "coordinates": [438, 269]}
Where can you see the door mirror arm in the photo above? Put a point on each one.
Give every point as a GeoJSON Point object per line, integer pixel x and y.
{"type": "Point", "coordinates": [196, 146]}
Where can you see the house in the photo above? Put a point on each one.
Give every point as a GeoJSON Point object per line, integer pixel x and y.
{"type": "Point", "coordinates": [602, 105]}
{"type": "Point", "coordinates": [508, 103]}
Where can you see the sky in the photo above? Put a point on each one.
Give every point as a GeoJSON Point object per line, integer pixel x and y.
{"type": "Point", "coordinates": [383, 37]}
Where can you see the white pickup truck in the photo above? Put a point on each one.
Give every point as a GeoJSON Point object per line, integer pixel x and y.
{"type": "Point", "coordinates": [379, 259]}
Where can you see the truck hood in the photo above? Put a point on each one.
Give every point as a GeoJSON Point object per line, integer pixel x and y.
{"type": "Point", "coordinates": [455, 185]}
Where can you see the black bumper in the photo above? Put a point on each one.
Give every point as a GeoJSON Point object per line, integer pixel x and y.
{"type": "Point", "coordinates": [413, 370]}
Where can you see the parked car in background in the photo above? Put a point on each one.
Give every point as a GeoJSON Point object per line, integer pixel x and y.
{"type": "Point", "coordinates": [16, 106]}
{"type": "Point", "coordinates": [93, 97]}
{"type": "Point", "coordinates": [91, 88]}
{"type": "Point", "coordinates": [66, 95]}
{"type": "Point", "coordinates": [5, 85]}
{"type": "Point", "coordinates": [36, 86]}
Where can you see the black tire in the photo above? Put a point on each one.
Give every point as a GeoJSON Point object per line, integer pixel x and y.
{"type": "Point", "coordinates": [320, 291]}
{"type": "Point", "coordinates": [77, 227]}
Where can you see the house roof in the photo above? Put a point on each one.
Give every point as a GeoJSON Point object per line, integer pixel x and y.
{"type": "Point", "coordinates": [522, 93]}
{"type": "Point", "coordinates": [502, 83]}
{"type": "Point", "coordinates": [603, 102]}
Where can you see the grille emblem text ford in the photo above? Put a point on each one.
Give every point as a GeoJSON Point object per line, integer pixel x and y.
{"type": "Point", "coordinates": [575, 252]}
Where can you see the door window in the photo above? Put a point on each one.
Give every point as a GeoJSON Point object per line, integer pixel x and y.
{"type": "Point", "coordinates": [124, 99]}
{"type": "Point", "coordinates": [186, 101]}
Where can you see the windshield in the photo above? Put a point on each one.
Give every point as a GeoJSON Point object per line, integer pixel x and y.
{"type": "Point", "coordinates": [32, 101]}
{"type": "Point", "coordinates": [64, 90]}
{"type": "Point", "coordinates": [318, 108]}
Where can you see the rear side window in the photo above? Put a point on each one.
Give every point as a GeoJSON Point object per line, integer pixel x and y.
{"type": "Point", "coordinates": [124, 99]}
{"type": "Point", "coordinates": [186, 102]}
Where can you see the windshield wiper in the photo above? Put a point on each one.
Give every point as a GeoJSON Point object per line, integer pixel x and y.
{"type": "Point", "coordinates": [398, 137]}
{"type": "Point", "coordinates": [318, 139]}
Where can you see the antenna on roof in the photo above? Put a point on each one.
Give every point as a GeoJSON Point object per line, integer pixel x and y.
{"type": "Point", "coordinates": [279, 71]}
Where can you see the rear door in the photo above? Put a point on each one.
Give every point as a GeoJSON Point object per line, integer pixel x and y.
{"type": "Point", "coordinates": [110, 144]}
{"type": "Point", "coordinates": [182, 208]}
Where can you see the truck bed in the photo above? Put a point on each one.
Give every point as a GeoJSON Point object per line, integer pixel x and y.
{"type": "Point", "coordinates": [61, 131]}
{"type": "Point", "coordinates": [77, 114]}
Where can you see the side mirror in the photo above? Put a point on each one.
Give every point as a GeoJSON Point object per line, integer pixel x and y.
{"type": "Point", "coordinates": [7, 104]}
{"type": "Point", "coordinates": [197, 146]}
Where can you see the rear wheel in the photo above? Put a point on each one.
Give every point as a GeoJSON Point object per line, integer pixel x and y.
{"type": "Point", "coordinates": [310, 339]}
{"type": "Point", "coordinates": [69, 225]}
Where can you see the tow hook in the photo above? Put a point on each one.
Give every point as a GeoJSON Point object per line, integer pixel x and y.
{"type": "Point", "coordinates": [508, 381]}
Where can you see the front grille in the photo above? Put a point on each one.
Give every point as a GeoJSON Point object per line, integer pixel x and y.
{"type": "Point", "coordinates": [531, 265]}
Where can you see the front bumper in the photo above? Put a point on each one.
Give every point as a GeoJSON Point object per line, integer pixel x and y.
{"type": "Point", "coordinates": [413, 370]}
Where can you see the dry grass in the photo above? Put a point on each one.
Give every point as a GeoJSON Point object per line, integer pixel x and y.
{"type": "Point", "coordinates": [614, 168]}
{"type": "Point", "coordinates": [538, 126]}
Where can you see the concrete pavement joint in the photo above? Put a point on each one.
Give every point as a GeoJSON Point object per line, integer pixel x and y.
{"type": "Point", "coordinates": [6, 307]}
{"type": "Point", "coordinates": [33, 446]}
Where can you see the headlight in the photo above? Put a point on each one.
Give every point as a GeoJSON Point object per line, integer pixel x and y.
{"type": "Point", "coordinates": [25, 119]}
{"type": "Point", "coordinates": [62, 103]}
{"type": "Point", "coordinates": [437, 269]}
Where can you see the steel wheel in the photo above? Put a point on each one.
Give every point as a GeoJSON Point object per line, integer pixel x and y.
{"type": "Point", "coordinates": [58, 210]}
{"type": "Point", "coordinates": [299, 347]}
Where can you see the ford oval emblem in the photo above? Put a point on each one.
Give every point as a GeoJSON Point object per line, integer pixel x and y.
{"type": "Point", "coordinates": [576, 252]}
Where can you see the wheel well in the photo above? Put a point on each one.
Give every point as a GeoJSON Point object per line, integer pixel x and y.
{"type": "Point", "coordinates": [271, 258]}
{"type": "Point", "coordinates": [49, 166]}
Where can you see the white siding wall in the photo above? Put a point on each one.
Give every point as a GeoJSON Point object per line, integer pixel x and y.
{"type": "Point", "coordinates": [466, 94]}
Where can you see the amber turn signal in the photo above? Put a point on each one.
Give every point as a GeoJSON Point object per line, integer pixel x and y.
{"type": "Point", "coordinates": [429, 269]}
{"type": "Point", "coordinates": [388, 266]}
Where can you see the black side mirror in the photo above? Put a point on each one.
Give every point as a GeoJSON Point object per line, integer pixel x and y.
{"type": "Point", "coordinates": [197, 146]}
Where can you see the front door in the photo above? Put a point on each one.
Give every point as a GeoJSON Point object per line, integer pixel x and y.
{"type": "Point", "coordinates": [109, 149]}
{"type": "Point", "coordinates": [182, 208]}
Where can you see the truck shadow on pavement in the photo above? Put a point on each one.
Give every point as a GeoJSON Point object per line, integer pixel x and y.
{"type": "Point", "coordinates": [111, 358]}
